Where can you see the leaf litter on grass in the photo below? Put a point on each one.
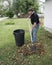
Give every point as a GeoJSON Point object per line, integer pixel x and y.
{"type": "Point", "coordinates": [29, 49]}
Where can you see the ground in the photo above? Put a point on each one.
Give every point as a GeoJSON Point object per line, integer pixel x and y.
{"type": "Point", "coordinates": [8, 48]}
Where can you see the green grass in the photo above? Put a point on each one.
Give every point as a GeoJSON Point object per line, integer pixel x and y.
{"type": "Point", "coordinates": [8, 49]}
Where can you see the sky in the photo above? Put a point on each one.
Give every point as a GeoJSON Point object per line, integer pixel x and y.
{"type": "Point", "coordinates": [42, 0]}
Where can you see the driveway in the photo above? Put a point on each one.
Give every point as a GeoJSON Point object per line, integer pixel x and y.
{"type": "Point", "coordinates": [3, 18]}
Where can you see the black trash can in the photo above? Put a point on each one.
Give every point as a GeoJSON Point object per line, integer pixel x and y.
{"type": "Point", "coordinates": [19, 37]}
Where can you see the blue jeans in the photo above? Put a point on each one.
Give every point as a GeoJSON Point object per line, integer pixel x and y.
{"type": "Point", "coordinates": [34, 33]}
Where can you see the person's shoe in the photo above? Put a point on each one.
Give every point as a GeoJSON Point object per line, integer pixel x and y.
{"type": "Point", "coordinates": [33, 47]}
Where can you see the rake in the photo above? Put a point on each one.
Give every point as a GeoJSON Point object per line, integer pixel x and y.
{"type": "Point", "coordinates": [28, 22]}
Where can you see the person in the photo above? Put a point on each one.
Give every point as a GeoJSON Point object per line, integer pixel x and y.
{"type": "Point", "coordinates": [35, 24]}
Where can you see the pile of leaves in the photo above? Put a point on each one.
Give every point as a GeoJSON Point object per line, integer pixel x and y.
{"type": "Point", "coordinates": [29, 49]}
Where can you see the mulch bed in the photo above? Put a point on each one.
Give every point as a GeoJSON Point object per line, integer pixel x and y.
{"type": "Point", "coordinates": [30, 49]}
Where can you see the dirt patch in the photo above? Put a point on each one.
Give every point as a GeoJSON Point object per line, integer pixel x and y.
{"type": "Point", "coordinates": [29, 49]}
{"type": "Point", "coordinates": [9, 23]}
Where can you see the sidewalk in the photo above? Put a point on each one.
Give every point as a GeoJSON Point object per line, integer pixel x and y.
{"type": "Point", "coordinates": [3, 18]}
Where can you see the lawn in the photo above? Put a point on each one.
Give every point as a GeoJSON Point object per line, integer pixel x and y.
{"type": "Point", "coordinates": [8, 48]}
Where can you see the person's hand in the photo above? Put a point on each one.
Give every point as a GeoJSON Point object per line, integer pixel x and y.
{"type": "Point", "coordinates": [40, 23]}
{"type": "Point", "coordinates": [34, 25]}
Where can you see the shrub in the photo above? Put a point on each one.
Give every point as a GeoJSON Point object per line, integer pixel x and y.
{"type": "Point", "coordinates": [10, 14]}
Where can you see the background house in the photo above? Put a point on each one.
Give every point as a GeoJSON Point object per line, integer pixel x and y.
{"type": "Point", "coordinates": [48, 15]}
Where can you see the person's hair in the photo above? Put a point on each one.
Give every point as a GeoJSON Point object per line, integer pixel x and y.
{"type": "Point", "coordinates": [30, 9]}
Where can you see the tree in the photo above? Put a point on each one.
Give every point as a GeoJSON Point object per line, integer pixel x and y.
{"type": "Point", "coordinates": [5, 6]}
{"type": "Point", "coordinates": [1, 8]}
{"type": "Point", "coordinates": [24, 5]}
